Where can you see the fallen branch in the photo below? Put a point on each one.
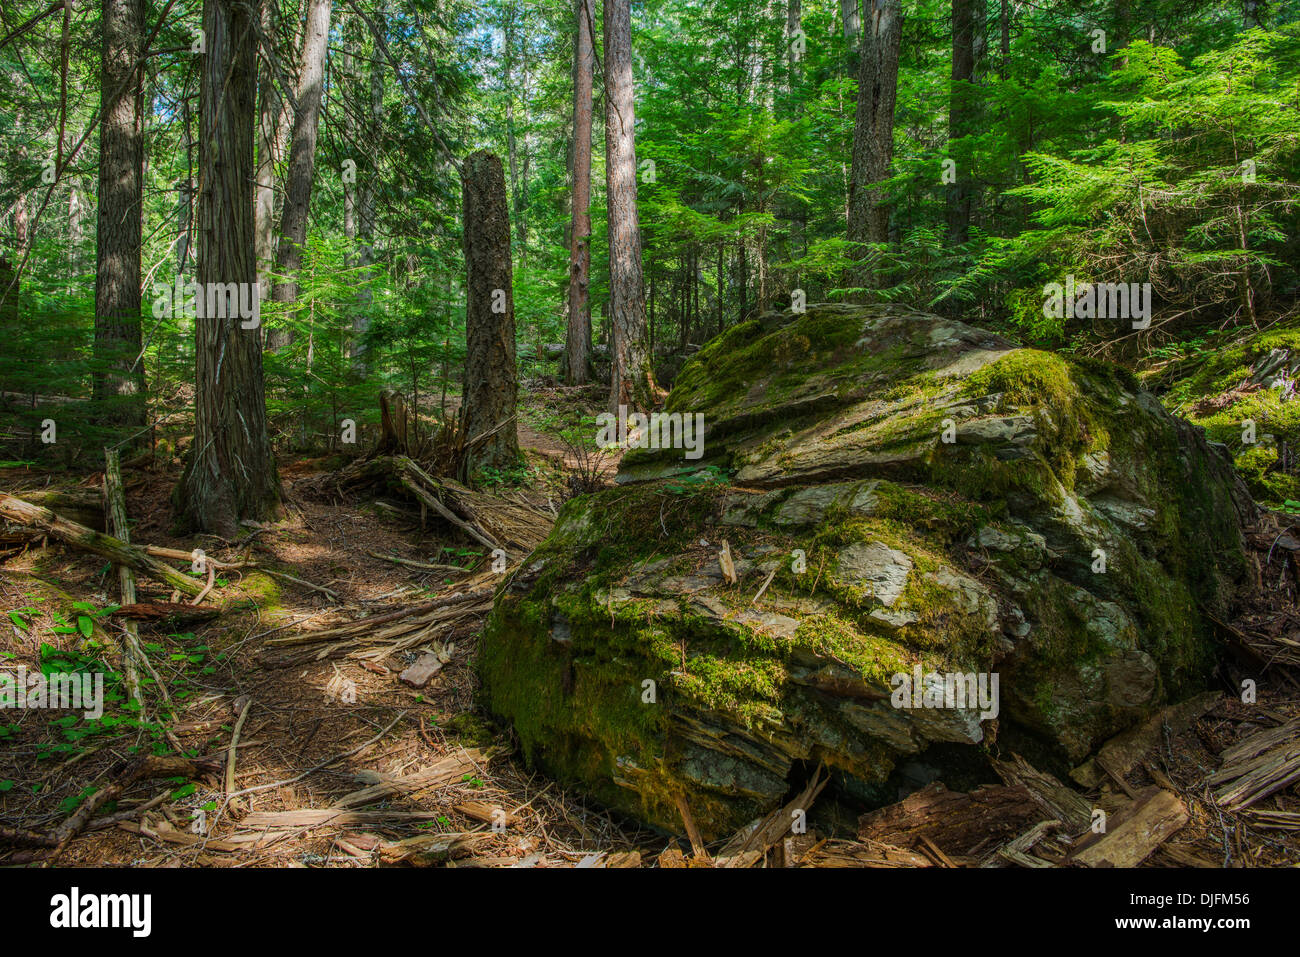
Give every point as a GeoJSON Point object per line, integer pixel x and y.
{"type": "Point", "coordinates": [410, 618]}
{"type": "Point", "coordinates": [177, 555]}
{"type": "Point", "coordinates": [115, 509]}
{"type": "Point", "coordinates": [150, 766]}
{"type": "Point", "coordinates": [106, 546]}
{"type": "Point", "coordinates": [165, 611]}
{"type": "Point", "coordinates": [423, 488]}
{"type": "Point", "coordinates": [750, 844]}
{"type": "Point", "coordinates": [297, 581]}
{"type": "Point", "coordinates": [425, 566]}
{"type": "Point", "coordinates": [230, 755]}
{"type": "Point", "coordinates": [212, 577]}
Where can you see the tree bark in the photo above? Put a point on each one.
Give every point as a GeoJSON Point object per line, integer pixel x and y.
{"type": "Point", "coordinates": [230, 474]}
{"type": "Point", "coordinates": [118, 380]}
{"type": "Point", "coordinates": [9, 290]}
{"type": "Point", "coordinates": [490, 390]}
{"type": "Point", "coordinates": [873, 131]}
{"type": "Point", "coordinates": [274, 114]}
{"type": "Point", "coordinates": [366, 221]}
{"type": "Point", "coordinates": [963, 72]}
{"type": "Point", "coordinates": [852, 21]}
{"type": "Point", "coordinates": [1004, 47]}
{"type": "Point", "coordinates": [578, 335]}
{"type": "Point", "coordinates": [631, 378]}
{"type": "Point", "coordinates": [393, 438]}
{"type": "Point", "coordinates": [793, 27]}
{"type": "Point", "coordinates": [302, 162]}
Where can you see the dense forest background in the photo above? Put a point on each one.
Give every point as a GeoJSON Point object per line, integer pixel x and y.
{"type": "Point", "coordinates": [1134, 141]}
{"type": "Point", "coordinates": [316, 309]}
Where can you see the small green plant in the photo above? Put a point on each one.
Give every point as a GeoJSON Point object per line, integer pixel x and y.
{"type": "Point", "coordinates": [708, 476]}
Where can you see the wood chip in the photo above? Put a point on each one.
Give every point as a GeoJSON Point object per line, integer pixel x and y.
{"type": "Point", "coordinates": [487, 813]}
{"type": "Point", "coordinates": [752, 842]}
{"type": "Point", "coordinates": [448, 769]}
{"type": "Point", "coordinates": [1262, 764]}
{"type": "Point", "coordinates": [726, 563]}
{"type": "Point", "coordinates": [672, 857]}
{"type": "Point", "coordinates": [422, 671]}
{"type": "Point", "coordinates": [1121, 753]}
{"type": "Point", "coordinates": [428, 849]}
{"type": "Point", "coordinates": [1135, 832]}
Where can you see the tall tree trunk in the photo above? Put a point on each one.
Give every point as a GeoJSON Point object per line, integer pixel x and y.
{"type": "Point", "coordinates": [119, 375]}
{"type": "Point", "coordinates": [851, 21]}
{"type": "Point", "coordinates": [654, 285]}
{"type": "Point", "coordinates": [959, 118]}
{"type": "Point", "coordinates": [185, 190]}
{"type": "Point", "coordinates": [742, 271]}
{"type": "Point", "coordinates": [683, 315]}
{"type": "Point", "coordinates": [76, 221]}
{"type": "Point", "coordinates": [721, 319]}
{"type": "Point", "coordinates": [9, 289]}
{"type": "Point", "coordinates": [578, 334]}
{"type": "Point", "coordinates": [793, 27]}
{"type": "Point", "coordinates": [873, 131]}
{"type": "Point", "coordinates": [230, 474]}
{"type": "Point", "coordinates": [22, 227]}
{"type": "Point", "coordinates": [302, 161]}
{"type": "Point", "coordinates": [366, 219]}
{"type": "Point", "coordinates": [351, 35]}
{"type": "Point", "coordinates": [517, 187]}
{"type": "Point", "coordinates": [1004, 28]}
{"type": "Point", "coordinates": [274, 114]}
{"type": "Point", "coordinates": [631, 377]}
{"type": "Point", "coordinates": [490, 390]}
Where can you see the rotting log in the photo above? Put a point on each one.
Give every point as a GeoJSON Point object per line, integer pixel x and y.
{"type": "Point", "coordinates": [79, 505]}
{"type": "Point", "coordinates": [953, 820]}
{"type": "Point", "coordinates": [79, 536]}
{"type": "Point", "coordinates": [171, 613]}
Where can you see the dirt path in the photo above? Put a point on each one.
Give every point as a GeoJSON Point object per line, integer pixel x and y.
{"type": "Point", "coordinates": [299, 718]}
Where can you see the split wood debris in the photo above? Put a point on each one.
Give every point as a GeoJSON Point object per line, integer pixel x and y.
{"type": "Point", "coordinates": [1260, 765]}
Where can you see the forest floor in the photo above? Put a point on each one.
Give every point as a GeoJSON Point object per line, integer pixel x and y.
{"type": "Point", "coordinates": [320, 735]}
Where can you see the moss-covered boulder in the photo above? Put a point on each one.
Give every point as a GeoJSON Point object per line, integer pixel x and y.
{"type": "Point", "coordinates": [903, 491]}
{"type": "Point", "coordinates": [1243, 392]}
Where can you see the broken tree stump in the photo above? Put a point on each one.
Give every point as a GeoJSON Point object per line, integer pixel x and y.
{"type": "Point", "coordinates": [393, 438]}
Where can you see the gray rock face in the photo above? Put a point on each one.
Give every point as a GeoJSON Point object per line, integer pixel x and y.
{"type": "Point", "coordinates": [901, 496]}
{"type": "Point", "coordinates": [876, 568]}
